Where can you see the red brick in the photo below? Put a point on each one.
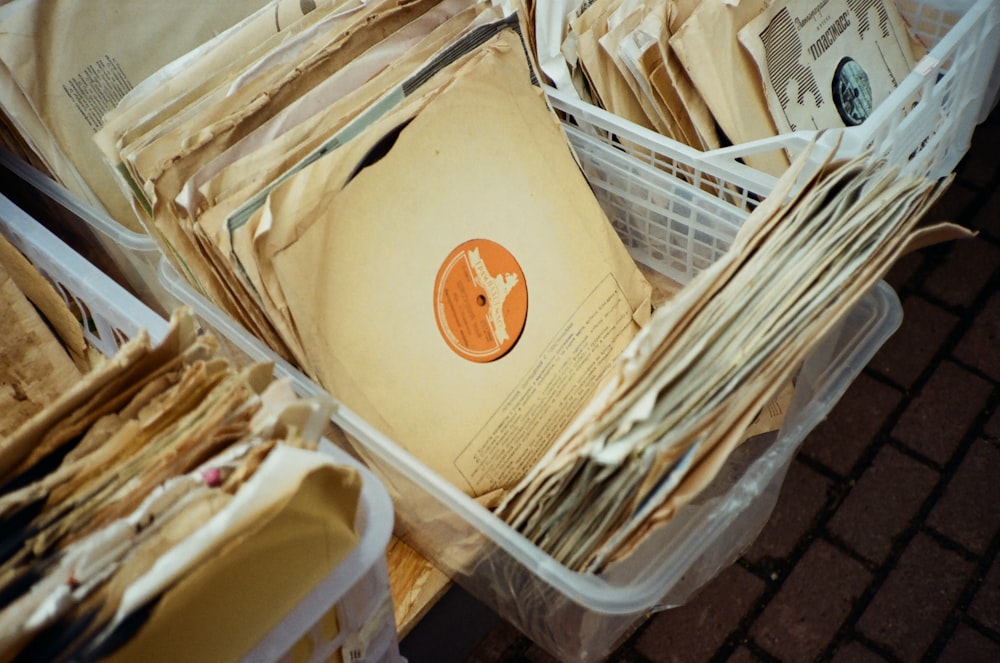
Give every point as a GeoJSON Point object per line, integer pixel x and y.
{"type": "Point", "coordinates": [917, 597]}
{"type": "Point", "coordinates": [978, 348]}
{"type": "Point", "coordinates": [855, 652]}
{"type": "Point", "coordinates": [694, 632]}
{"type": "Point", "coordinates": [743, 655]}
{"type": "Point", "coordinates": [536, 654]}
{"type": "Point", "coordinates": [904, 269]}
{"type": "Point", "coordinates": [979, 167]}
{"type": "Point", "coordinates": [811, 605]}
{"type": "Point", "coordinates": [908, 352]}
{"type": "Point", "coordinates": [969, 510]}
{"type": "Point", "coordinates": [987, 219]}
{"type": "Point", "coordinates": [937, 419]}
{"type": "Point", "coordinates": [803, 496]}
{"type": "Point", "coordinates": [966, 270]}
{"type": "Point", "coordinates": [840, 439]}
{"type": "Point", "coordinates": [882, 504]}
{"type": "Point", "coordinates": [953, 205]}
{"type": "Point", "coordinates": [969, 646]}
{"type": "Point", "coordinates": [500, 639]}
{"type": "Point", "coordinates": [992, 428]}
{"type": "Point", "coordinates": [985, 606]}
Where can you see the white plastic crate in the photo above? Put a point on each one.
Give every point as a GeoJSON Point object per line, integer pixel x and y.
{"type": "Point", "coordinates": [926, 123]}
{"type": "Point", "coordinates": [677, 229]}
{"type": "Point", "coordinates": [357, 591]}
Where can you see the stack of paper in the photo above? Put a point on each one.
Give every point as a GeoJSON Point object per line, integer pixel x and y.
{"type": "Point", "coordinates": [166, 492]}
{"type": "Point", "coordinates": [727, 71]}
{"type": "Point", "coordinates": [686, 389]}
{"type": "Point", "coordinates": [382, 194]}
{"type": "Point", "coordinates": [42, 349]}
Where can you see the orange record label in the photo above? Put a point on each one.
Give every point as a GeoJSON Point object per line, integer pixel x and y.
{"type": "Point", "coordinates": [480, 300]}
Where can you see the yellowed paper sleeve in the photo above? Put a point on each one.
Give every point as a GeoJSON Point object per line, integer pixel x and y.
{"type": "Point", "coordinates": [725, 76]}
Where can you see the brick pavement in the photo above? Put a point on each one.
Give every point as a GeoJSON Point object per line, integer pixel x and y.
{"type": "Point", "coordinates": [884, 543]}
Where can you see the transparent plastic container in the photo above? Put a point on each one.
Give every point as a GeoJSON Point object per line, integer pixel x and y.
{"type": "Point", "coordinates": [677, 229]}
{"type": "Point", "coordinates": [357, 591]}
{"type": "Point", "coordinates": [926, 123]}
{"type": "Point", "coordinates": [131, 257]}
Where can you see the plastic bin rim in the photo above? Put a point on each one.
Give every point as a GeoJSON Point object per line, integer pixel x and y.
{"type": "Point", "coordinates": [98, 219]}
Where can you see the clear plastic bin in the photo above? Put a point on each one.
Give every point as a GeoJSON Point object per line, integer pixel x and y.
{"type": "Point", "coordinates": [677, 229]}
{"type": "Point", "coordinates": [927, 122]}
{"type": "Point", "coordinates": [357, 591]}
{"type": "Point", "coordinates": [130, 256]}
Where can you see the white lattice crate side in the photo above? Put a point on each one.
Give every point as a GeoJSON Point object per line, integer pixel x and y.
{"type": "Point", "coordinates": [665, 223]}
{"type": "Point", "coordinates": [927, 123]}
{"type": "Point", "coordinates": [929, 22]}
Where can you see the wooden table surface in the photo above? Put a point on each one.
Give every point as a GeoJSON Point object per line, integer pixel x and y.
{"type": "Point", "coordinates": [416, 585]}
